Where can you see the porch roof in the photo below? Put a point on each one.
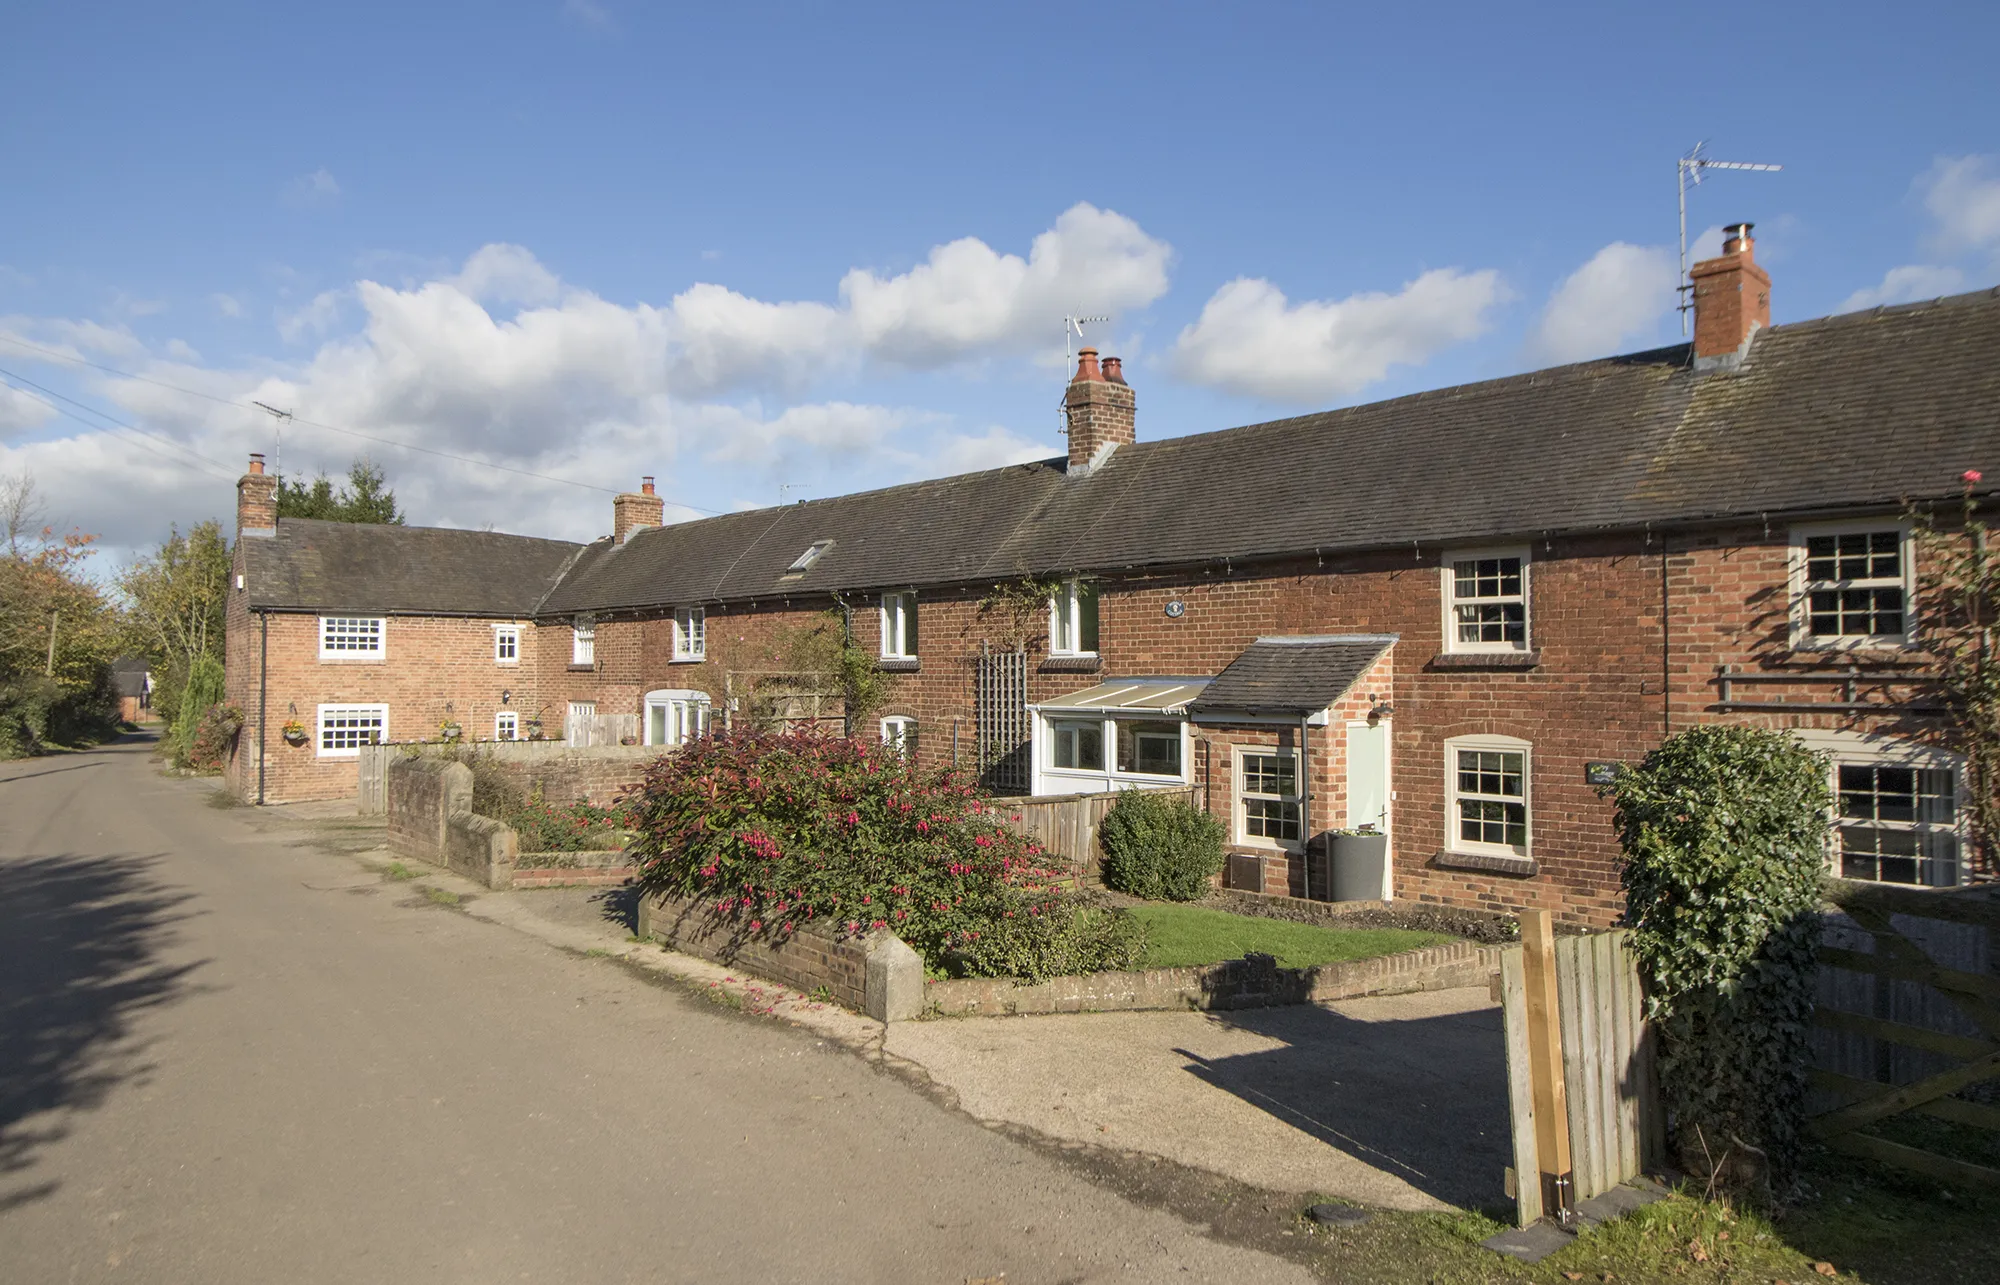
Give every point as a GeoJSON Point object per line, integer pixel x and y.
{"type": "Point", "coordinates": [1292, 675]}
{"type": "Point", "coordinates": [1130, 695]}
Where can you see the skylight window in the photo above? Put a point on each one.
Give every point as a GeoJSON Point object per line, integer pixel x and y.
{"type": "Point", "coordinates": [810, 556]}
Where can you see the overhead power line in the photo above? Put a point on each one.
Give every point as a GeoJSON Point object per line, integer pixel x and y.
{"type": "Point", "coordinates": [49, 397]}
{"type": "Point", "coordinates": [58, 355]}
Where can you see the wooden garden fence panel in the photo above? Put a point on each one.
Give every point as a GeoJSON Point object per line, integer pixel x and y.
{"type": "Point", "coordinates": [1907, 1022]}
{"type": "Point", "coordinates": [1613, 1112]}
{"type": "Point", "coordinates": [1065, 826]}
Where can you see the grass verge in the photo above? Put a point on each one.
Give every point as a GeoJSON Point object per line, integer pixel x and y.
{"type": "Point", "coordinates": [1182, 936]}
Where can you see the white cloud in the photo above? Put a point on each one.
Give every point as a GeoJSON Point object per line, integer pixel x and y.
{"type": "Point", "coordinates": [501, 273]}
{"type": "Point", "coordinates": [316, 188]}
{"type": "Point", "coordinates": [315, 318]}
{"type": "Point", "coordinates": [1619, 294]}
{"type": "Point", "coordinates": [1963, 195]}
{"type": "Point", "coordinates": [1250, 339]}
{"type": "Point", "coordinates": [227, 305]}
{"type": "Point", "coordinates": [1905, 285]}
{"type": "Point", "coordinates": [587, 12]}
{"type": "Point", "coordinates": [995, 448]}
{"type": "Point", "coordinates": [498, 359]}
{"type": "Point", "coordinates": [19, 412]}
{"type": "Point", "coordinates": [966, 298]}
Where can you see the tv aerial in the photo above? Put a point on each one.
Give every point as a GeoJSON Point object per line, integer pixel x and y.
{"type": "Point", "coordinates": [1689, 170]}
{"type": "Point", "coordinates": [278, 417]}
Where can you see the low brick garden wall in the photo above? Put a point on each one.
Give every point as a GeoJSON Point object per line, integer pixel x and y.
{"type": "Point", "coordinates": [1253, 982]}
{"type": "Point", "coordinates": [598, 869]}
{"type": "Point", "coordinates": [810, 958]}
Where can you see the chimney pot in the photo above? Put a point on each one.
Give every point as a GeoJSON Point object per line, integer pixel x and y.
{"type": "Point", "coordinates": [1114, 370]}
{"type": "Point", "coordinates": [646, 485]}
{"type": "Point", "coordinates": [256, 463]}
{"type": "Point", "coordinates": [1736, 238]}
{"type": "Point", "coordinates": [1086, 367]}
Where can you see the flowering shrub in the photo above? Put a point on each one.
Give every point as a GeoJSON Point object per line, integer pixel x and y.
{"type": "Point", "coordinates": [218, 726]}
{"type": "Point", "coordinates": [566, 827]}
{"type": "Point", "coordinates": [781, 830]}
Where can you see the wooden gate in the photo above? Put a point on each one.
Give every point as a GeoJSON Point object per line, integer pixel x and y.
{"type": "Point", "coordinates": [371, 797]}
{"type": "Point", "coordinates": [1581, 1089]}
{"type": "Point", "coordinates": [1909, 1025]}
{"type": "Point", "coordinates": [1000, 710]}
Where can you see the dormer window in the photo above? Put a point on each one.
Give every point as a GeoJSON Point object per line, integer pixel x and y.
{"type": "Point", "coordinates": [1073, 619]}
{"type": "Point", "coordinates": [805, 560]}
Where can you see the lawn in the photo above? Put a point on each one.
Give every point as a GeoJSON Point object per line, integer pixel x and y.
{"type": "Point", "coordinates": [1180, 936]}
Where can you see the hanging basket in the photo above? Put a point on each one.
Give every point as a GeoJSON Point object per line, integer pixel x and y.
{"type": "Point", "coordinates": [295, 736]}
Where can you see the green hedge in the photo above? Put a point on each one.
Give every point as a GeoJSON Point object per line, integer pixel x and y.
{"type": "Point", "coordinates": [1159, 846]}
{"type": "Point", "coordinates": [1725, 834]}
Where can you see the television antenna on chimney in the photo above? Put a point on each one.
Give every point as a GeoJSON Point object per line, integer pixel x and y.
{"type": "Point", "coordinates": [1072, 326]}
{"type": "Point", "coordinates": [1690, 169]}
{"type": "Point", "coordinates": [280, 416]}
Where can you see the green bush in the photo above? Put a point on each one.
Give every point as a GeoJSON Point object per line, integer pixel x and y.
{"type": "Point", "coordinates": [204, 691]}
{"type": "Point", "coordinates": [37, 711]}
{"type": "Point", "coordinates": [209, 746]}
{"type": "Point", "coordinates": [1160, 847]}
{"type": "Point", "coordinates": [778, 831]}
{"type": "Point", "coordinates": [1725, 834]}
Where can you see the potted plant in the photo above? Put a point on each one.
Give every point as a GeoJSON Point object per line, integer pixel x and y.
{"type": "Point", "coordinates": [1360, 861]}
{"type": "Point", "coordinates": [295, 733]}
{"type": "Point", "coordinates": [449, 730]}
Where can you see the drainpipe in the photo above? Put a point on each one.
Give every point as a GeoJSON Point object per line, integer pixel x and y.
{"type": "Point", "coordinates": [1305, 814]}
{"type": "Point", "coordinates": [263, 692]}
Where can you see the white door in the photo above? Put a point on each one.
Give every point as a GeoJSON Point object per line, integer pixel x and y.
{"type": "Point", "coordinates": [1368, 795]}
{"type": "Point", "coordinates": [582, 717]}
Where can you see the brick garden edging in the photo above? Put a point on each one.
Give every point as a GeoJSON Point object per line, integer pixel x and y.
{"type": "Point", "coordinates": [1255, 981]}
{"type": "Point", "coordinates": [877, 974]}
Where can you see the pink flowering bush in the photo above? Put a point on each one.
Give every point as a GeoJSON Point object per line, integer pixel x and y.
{"type": "Point", "coordinates": [778, 831]}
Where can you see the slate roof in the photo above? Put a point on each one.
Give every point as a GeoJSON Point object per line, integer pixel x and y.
{"type": "Point", "coordinates": [311, 565]}
{"type": "Point", "coordinates": [1296, 675]}
{"type": "Point", "coordinates": [1850, 412]}
{"type": "Point", "coordinates": [128, 675]}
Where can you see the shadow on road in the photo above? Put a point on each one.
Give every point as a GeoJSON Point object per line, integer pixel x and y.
{"type": "Point", "coordinates": [50, 771]}
{"type": "Point", "coordinates": [80, 939]}
{"type": "Point", "coordinates": [620, 906]}
{"type": "Point", "coordinates": [1421, 1098]}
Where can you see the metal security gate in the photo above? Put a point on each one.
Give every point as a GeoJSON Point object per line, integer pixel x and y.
{"type": "Point", "coordinates": [1000, 711]}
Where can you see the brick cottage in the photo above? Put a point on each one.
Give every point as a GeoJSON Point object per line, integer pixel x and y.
{"type": "Point", "coordinates": [1441, 616]}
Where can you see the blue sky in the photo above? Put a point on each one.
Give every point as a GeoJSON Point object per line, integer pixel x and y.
{"type": "Point", "coordinates": [825, 247]}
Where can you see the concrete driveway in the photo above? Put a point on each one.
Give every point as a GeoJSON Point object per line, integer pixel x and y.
{"type": "Point", "coordinates": [1398, 1102]}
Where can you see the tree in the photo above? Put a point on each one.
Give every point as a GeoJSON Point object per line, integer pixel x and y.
{"type": "Point", "coordinates": [365, 498]}
{"type": "Point", "coordinates": [57, 632]}
{"type": "Point", "coordinates": [174, 606]}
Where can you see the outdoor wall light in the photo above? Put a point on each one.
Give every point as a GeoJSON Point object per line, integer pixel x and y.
{"type": "Point", "coordinates": [506, 696]}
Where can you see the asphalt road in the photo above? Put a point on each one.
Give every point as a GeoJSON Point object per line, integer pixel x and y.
{"type": "Point", "coordinates": [225, 1058]}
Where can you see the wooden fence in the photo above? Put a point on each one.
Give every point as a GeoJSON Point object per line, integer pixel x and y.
{"type": "Point", "coordinates": [1908, 1024]}
{"type": "Point", "coordinates": [1599, 1122]}
{"type": "Point", "coordinates": [1065, 825]}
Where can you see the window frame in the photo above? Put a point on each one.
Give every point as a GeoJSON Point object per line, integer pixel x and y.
{"type": "Point", "coordinates": [900, 635]}
{"type": "Point", "coordinates": [677, 705]}
{"type": "Point", "coordinates": [506, 725]}
{"type": "Point", "coordinates": [379, 651]}
{"type": "Point", "coordinates": [380, 709]}
{"type": "Point", "coordinates": [1864, 749]}
{"type": "Point", "coordinates": [1058, 726]}
{"type": "Point", "coordinates": [690, 634]}
{"type": "Point", "coordinates": [583, 643]}
{"type": "Point", "coordinates": [1454, 840]}
{"type": "Point", "coordinates": [1241, 796]}
{"type": "Point", "coordinates": [1800, 586]}
{"type": "Point", "coordinates": [1448, 585]}
{"type": "Point", "coordinates": [509, 638]}
{"type": "Point", "coordinates": [903, 739]}
{"type": "Point", "coordinates": [1066, 605]}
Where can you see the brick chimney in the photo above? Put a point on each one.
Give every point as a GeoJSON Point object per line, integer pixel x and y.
{"type": "Point", "coordinates": [1732, 301]}
{"type": "Point", "coordinates": [1099, 405]}
{"type": "Point", "coordinates": [633, 511]}
{"type": "Point", "coordinates": [257, 501]}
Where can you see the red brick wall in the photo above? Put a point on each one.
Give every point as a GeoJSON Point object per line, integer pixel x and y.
{"type": "Point", "coordinates": [432, 668]}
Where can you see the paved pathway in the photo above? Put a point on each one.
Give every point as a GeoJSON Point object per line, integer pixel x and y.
{"type": "Point", "coordinates": [224, 1059]}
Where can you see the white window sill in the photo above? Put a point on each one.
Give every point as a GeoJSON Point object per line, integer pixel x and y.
{"type": "Point", "coordinates": [352, 660]}
{"type": "Point", "coordinates": [686, 660]}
